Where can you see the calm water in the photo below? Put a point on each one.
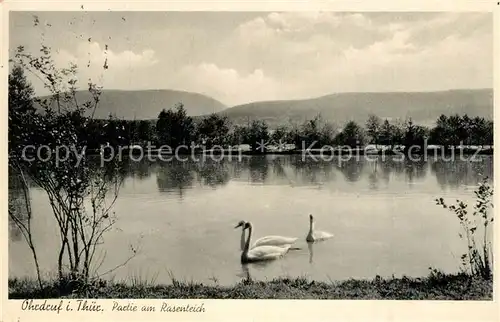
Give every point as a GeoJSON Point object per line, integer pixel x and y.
{"type": "Point", "coordinates": [181, 217]}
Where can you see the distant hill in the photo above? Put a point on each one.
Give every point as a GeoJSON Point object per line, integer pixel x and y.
{"type": "Point", "coordinates": [422, 107]}
{"type": "Point", "coordinates": [147, 104]}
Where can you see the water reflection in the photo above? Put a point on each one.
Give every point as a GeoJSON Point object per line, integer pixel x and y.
{"type": "Point", "coordinates": [310, 246]}
{"type": "Point", "coordinates": [245, 272]}
{"type": "Point", "coordinates": [415, 170]}
{"type": "Point", "coordinates": [351, 170]}
{"type": "Point", "coordinates": [455, 174]}
{"type": "Point", "coordinates": [374, 176]}
{"type": "Point", "coordinates": [258, 168]}
{"type": "Point", "coordinates": [310, 171]}
{"type": "Point", "coordinates": [259, 266]}
{"type": "Point", "coordinates": [178, 177]}
{"type": "Point", "coordinates": [174, 177]}
{"type": "Point", "coordinates": [141, 170]}
{"type": "Point", "coordinates": [213, 173]}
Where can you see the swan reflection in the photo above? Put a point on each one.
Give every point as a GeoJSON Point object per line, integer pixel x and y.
{"type": "Point", "coordinates": [254, 266]}
{"type": "Point", "coordinates": [310, 247]}
{"type": "Point", "coordinates": [245, 272]}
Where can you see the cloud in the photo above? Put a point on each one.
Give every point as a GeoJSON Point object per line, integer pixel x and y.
{"type": "Point", "coordinates": [287, 55]}
{"type": "Point", "coordinates": [227, 85]}
{"type": "Point", "coordinates": [93, 53]}
{"type": "Point", "coordinates": [396, 64]}
{"type": "Point", "coordinates": [91, 59]}
{"type": "Point", "coordinates": [310, 54]}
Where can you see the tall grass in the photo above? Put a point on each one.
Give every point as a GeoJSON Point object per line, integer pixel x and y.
{"type": "Point", "coordinates": [436, 285]}
{"type": "Point", "coordinates": [138, 279]}
{"type": "Point", "coordinates": [478, 259]}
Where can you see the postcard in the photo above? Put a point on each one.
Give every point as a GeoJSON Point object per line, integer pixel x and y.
{"type": "Point", "coordinates": [259, 161]}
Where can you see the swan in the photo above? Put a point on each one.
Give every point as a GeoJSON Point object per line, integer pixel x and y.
{"type": "Point", "coordinates": [314, 235]}
{"type": "Point", "coordinates": [260, 253]}
{"type": "Point", "coordinates": [267, 240]}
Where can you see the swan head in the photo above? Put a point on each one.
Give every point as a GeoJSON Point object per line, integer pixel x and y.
{"type": "Point", "coordinates": [247, 225]}
{"type": "Point", "coordinates": [241, 223]}
{"type": "Point", "coordinates": [311, 218]}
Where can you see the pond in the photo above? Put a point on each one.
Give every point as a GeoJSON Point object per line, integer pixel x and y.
{"type": "Point", "coordinates": [180, 216]}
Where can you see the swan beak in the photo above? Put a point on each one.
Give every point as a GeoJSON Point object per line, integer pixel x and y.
{"type": "Point", "coordinates": [238, 225]}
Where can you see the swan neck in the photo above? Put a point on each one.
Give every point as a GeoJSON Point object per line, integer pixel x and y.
{"type": "Point", "coordinates": [247, 244]}
{"type": "Point", "coordinates": [311, 225]}
{"type": "Point", "coordinates": [242, 239]}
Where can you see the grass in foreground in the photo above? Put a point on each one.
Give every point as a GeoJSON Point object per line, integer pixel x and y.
{"type": "Point", "coordinates": [433, 287]}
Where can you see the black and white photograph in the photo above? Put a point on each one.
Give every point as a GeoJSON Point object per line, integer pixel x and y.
{"type": "Point", "coordinates": [335, 155]}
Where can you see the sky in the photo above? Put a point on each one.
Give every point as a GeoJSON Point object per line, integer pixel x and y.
{"type": "Point", "coordinates": [241, 57]}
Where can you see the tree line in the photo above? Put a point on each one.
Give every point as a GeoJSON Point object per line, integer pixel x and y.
{"type": "Point", "coordinates": [174, 128]}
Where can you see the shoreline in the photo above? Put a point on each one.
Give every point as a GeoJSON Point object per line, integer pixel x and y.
{"type": "Point", "coordinates": [430, 152]}
{"type": "Point", "coordinates": [435, 286]}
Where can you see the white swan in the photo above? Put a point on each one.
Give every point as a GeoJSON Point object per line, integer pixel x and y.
{"type": "Point", "coordinates": [260, 253]}
{"type": "Point", "coordinates": [314, 235]}
{"type": "Point", "coordinates": [267, 240]}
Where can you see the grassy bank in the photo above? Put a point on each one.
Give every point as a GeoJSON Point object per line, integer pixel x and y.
{"type": "Point", "coordinates": [436, 286]}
